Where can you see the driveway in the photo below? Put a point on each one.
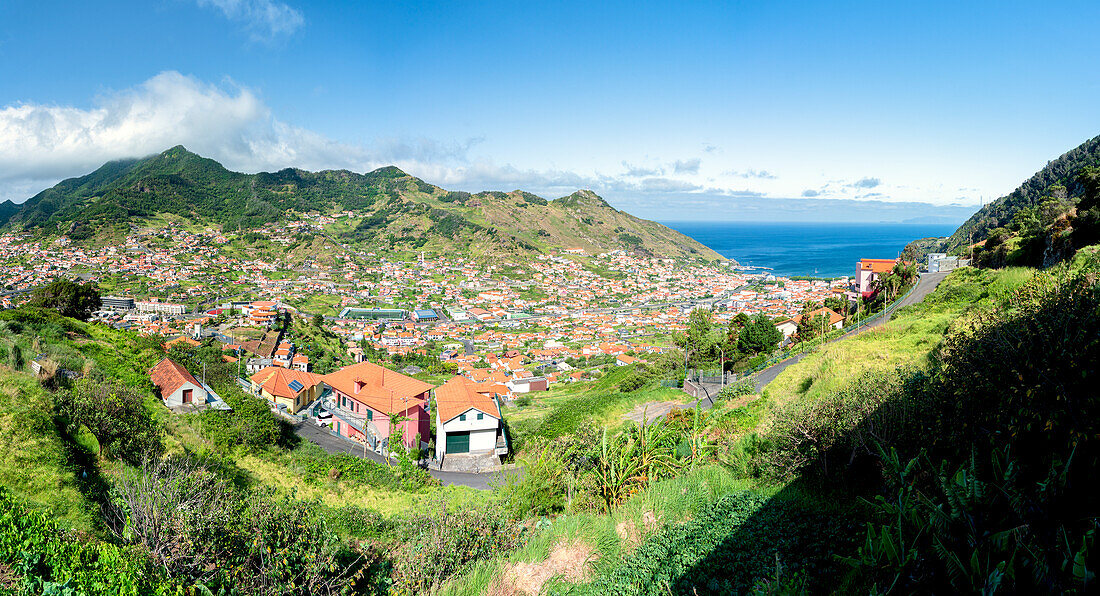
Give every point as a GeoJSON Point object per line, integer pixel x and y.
{"type": "Point", "coordinates": [333, 444]}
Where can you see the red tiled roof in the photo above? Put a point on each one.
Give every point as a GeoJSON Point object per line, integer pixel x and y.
{"type": "Point", "coordinates": [169, 376]}
{"type": "Point", "coordinates": [276, 380]}
{"type": "Point", "coordinates": [834, 318]}
{"type": "Point", "coordinates": [378, 387]}
{"type": "Point", "coordinates": [460, 395]}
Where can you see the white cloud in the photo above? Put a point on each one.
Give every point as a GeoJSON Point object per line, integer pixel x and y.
{"type": "Point", "coordinates": [687, 166]}
{"type": "Point", "coordinates": [264, 19]}
{"type": "Point", "coordinates": [866, 182]}
{"type": "Point", "coordinates": [41, 144]}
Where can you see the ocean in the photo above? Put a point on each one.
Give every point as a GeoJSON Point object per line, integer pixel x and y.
{"type": "Point", "coordinates": [818, 249]}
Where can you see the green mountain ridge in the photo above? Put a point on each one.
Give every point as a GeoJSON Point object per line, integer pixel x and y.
{"type": "Point", "coordinates": [1060, 180]}
{"type": "Point", "coordinates": [389, 208]}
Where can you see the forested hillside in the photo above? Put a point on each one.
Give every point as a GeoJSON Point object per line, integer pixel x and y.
{"type": "Point", "coordinates": [384, 209]}
{"type": "Point", "coordinates": [1053, 192]}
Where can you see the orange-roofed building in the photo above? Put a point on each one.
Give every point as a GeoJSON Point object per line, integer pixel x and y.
{"type": "Point", "coordinates": [467, 420]}
{"type": "Point", "coordinates": [182, 340]}
{"type": "Point", "coordinates": [365, 395]}
{"type": "Point", "coordinates": [292, 389]}
{"type": "Point", "coordinates": [868, 271]}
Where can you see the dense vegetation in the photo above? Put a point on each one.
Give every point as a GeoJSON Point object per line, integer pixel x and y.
{"type": "Point", "coordinates": [387, 208]}
{"type": "Point", "coordinates": [1043, 221]}
{"type": "Point", "coordinates": [929, 472]}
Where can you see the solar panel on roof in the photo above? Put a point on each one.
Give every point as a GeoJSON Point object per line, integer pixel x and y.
{"type": "Point", "coordinates": [295, 386]}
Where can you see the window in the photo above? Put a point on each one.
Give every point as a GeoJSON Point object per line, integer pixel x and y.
{"type": "Point", "coordinates": [370, 414]}
{"type": "Point", "coordinates": [480, 416]}
{"type": "Point", "coordinates": [462, 418]}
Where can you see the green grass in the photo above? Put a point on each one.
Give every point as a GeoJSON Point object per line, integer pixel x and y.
{"type": "Point", "coordinates": [910, 336]}
{"type": "Point", "coordinates": [612, 537]}
{"type": "Point", "coordinates": [34, 456]}
{"type": "Point", "coordinates": [562, 409]}
{"type": "Point", "coordinates": [325, 304]}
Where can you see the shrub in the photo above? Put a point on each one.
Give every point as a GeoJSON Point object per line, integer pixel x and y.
{"type": "Point", "coordinates": [115, 414]}
{"type": "Point", "coordinates": [738, 389]}
{"type": "Point", "coordinates": [440, 543]}
{"type": "Point", "coordinates": [196, 525]}
{"type": "Point", "coordinates": [319, 466]}
{"type": "Point", "coordinates": [633, 382]}
{"type": "Point", "coordinates": [727, 546]}
{"type": "Point", "coordinates": [52, 561]}
{"type": "Point", "coordinates": [250, 425]}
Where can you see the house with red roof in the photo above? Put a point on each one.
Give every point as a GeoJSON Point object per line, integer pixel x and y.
{"type": "Point", "coordinates": [467, 420]}
{"type": "Point", "coordinates": [287, 389]}
{"type": "Point", "coordinates": [180, 390]}
{"type": "Point", "coordinates": [868, 271]}
{"type": "Point", "coordinates": [367, 399]}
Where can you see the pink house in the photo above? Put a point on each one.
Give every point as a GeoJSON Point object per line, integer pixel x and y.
{"type": "Point", "coordinates": [365, 396]}
{"type": "Point", "coordinates": [870, 270]}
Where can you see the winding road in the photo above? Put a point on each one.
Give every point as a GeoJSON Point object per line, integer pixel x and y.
{"type": "Point", "coordinates": [925, 285]}
{"type": "Point", "coordinates": [334, 444]}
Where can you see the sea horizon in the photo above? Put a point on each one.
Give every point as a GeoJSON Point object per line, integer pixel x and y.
{"type": "Point", "coordinates": [825, 249]}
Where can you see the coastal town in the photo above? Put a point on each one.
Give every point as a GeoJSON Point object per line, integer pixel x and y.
{"type": "Point", "coordinates": [569, 303]}
{"type": "Point", "coordinates": [503, 328]}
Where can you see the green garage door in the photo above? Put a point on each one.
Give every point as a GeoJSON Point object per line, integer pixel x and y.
{"type": "Point", "coordinates": [458, 442]}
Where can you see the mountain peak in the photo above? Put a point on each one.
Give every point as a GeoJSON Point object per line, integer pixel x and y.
{"type": "Point", "coordinates": [584, 198]}
{"type": "Point", "coordinates": [388, 172]}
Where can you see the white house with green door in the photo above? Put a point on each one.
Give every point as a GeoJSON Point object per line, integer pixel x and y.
{"type": "Point", "coordinates": [467, 421]}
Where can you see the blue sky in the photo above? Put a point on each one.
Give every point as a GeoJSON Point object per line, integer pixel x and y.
{"type": "Point", "coordinates": [675, 111]}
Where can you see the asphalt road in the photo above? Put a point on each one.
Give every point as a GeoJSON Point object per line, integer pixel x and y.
{"type": "Point", "coordinates": [331, 443]}
{"type": "Point", "coordinates": [925, 285]}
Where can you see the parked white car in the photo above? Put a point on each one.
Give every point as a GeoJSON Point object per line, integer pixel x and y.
{"type": "Point", "coordinates": [324, 418]}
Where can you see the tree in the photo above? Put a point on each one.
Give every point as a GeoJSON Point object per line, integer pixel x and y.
{"type": "Point", "coordinates": [813, 326]}
{"type": "Point", "coordinates": [115, 414]}
{"type": "Point", "coordinates": [761, 335]}
{"type": "Point", "coordinates": [837, 304]}
{"type": "Point", "coordinates": [741, 321]}
{"type": "Point", "coordinates": [68, 298]}
{"type": "Point", "coordinates": [318, 320]}
{"type": "Point", "coordinates": [701, 340]}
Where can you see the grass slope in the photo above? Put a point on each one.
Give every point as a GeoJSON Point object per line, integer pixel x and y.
{"type": "Point", "coordinates": [910, 336]}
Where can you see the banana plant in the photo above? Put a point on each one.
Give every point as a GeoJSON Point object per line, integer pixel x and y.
{"type": "Point", "coordinates": [619, 472]}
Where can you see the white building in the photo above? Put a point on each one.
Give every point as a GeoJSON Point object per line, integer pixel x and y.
{"type": "Point", "coordinates": [467, 422]}
{"type": "Point", "coordinates": [179, 388]}
{"type": "Point", "coordinates": [166, 308]}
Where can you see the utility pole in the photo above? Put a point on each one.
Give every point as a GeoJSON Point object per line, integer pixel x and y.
{"type": "Point", "coordinates": [722, 364]}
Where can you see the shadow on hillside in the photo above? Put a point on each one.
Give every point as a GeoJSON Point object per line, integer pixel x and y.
{"type": "Point", "coordinates": [85, 469]}
{"type": "Point", "coordinates": [794, 537]}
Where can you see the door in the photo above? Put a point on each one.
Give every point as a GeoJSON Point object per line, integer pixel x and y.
{"type": "Point", "coordinates": [458, 442]}
{"type": "Point", "coordinates": [187, 395]}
